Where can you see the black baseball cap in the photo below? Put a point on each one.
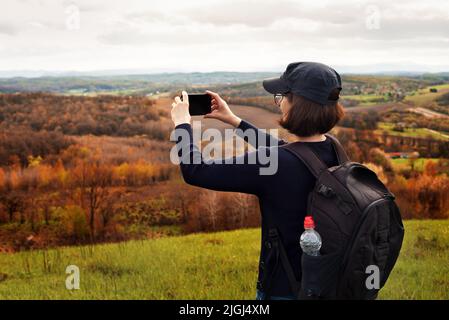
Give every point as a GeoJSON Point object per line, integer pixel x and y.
{"type": "Point", "coordinates": [312, 80]}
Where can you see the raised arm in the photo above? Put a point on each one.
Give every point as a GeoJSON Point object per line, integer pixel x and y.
{"type": "Point", "coordinates": [243, 128]}
{"type": "Point", "coordinates": [246, 126]}
{"type": "Point", "coordinates": [248, 173]}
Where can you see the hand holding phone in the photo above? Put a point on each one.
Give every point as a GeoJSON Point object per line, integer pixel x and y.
{"type": "Point", "coordinates": [211, 105]}
{"type": "Point", "coordinates": [199, 104]}
{"type": "Point", "coordinates": [221, 110]}
{"type": "Point", "coordinates": [180, 110]}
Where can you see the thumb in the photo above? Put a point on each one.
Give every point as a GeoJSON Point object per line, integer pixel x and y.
{"type": "Point", "coordinates": [185, 97]}
{"type": "Point", "coordinates": [210, 114]}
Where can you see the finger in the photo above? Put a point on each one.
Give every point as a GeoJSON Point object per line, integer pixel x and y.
{"type": "Point", "coordinates": [173, 105]}
{"type": "Point", "coordinates": [178, 99]}
{"type": "Point", "coordinates": [213, 94]}
{"type": "Point", "coordinates": [185, 96]}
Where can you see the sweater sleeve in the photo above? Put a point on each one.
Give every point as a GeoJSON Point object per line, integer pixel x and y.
{"type": "Point", "coordinates": [262, 138]}
{"type": "Point", "coordinates": [248, 173]}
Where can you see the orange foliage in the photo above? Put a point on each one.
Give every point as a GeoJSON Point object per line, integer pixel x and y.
{"type": "Point", "coordinates": [422, 197]}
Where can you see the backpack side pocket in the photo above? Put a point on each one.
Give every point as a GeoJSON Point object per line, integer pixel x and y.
{"type": "Point", "coordinates": [320, 275]}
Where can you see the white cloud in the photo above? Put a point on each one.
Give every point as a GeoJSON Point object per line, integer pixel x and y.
{"type": "Point", "coordinates": [8, 29]}
{"type": "Point", "coordinates": [220, 34]}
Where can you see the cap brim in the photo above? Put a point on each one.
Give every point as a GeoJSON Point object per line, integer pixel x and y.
{"type": "Point", "coordinates": [275, 85]}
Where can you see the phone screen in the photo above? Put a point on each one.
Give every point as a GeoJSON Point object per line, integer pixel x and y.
{"type": "Point", "coordinates": [199, 104]}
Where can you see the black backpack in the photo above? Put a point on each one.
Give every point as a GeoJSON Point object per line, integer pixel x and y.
{"type": "Point", "coordinates": [360, 226]}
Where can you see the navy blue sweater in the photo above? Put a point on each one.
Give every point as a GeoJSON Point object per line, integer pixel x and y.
{"type": "Point", "coordinates": [282, 196]}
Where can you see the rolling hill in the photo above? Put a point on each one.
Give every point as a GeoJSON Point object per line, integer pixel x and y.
{"type": "Point", "coordinates": [221, 265]}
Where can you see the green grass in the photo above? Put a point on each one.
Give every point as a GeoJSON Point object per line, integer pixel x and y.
{"type": "Point", "coordinates": [410, 132]}
{"type": "Point", "coordinates": [220, 265]}
{"type": "Point", "coordinates": [422, 271]}
{"type": "Point", "coordinates": [405, 163]}
{"type": "Point", "coordinates": [423, 97]}
{"type": "Point", "coordinates": [438, 87]}
{"type": "Point", "coordinates": [367, 99]}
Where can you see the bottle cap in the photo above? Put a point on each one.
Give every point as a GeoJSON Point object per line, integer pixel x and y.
{"type": "Point", "coordinates": [309, 223]}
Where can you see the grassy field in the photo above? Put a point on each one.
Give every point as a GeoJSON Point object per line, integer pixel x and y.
{"type": "Point", "coordinates": [220, 265]}
{"type": "Point", "coordinates": [410, 132]}
{"type": "Point", "coordinates": [367, 99]}
{"type": "Point", "coordinates": [423, 97]}
{"type": "Point", "coordinates": [402, 163]}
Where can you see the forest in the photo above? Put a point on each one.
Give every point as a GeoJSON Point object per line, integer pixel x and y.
{"type": "Point", "coordinates": [79, 169]}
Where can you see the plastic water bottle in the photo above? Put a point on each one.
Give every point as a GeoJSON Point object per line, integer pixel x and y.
{"type": "Point", "coordinates": [310, 240]}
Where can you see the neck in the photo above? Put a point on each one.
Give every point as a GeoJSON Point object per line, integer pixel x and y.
{"type": "Point", "coordinates": [315, 138]}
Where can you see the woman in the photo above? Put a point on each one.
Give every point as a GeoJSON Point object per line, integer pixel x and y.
{"type": "Point", "coordinates": [307, 94]}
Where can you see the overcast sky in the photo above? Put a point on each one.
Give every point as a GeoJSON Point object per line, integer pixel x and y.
{"type": "Point", "coordinates": [222, 35]}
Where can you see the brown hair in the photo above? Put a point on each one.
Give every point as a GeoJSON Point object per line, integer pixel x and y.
{"type": "Point", "coordinates": [307, 118]}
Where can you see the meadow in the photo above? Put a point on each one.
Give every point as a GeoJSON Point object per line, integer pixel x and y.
{"type": "Point", "coordinates": [221, 265]}
{"type": "Point", "coordinates": [418, 163]}
{"type": "Point", "coordinates": [367, 99]}
{"type": "Point", "coordinates": [423, 97]}
{"type": "Point", "coordinates": [410, 132]}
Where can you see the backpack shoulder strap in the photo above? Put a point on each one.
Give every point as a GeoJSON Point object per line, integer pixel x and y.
{"type": "Point", "coordinates": [318, 167]}
{"type": "Point", "coordinates": [311, 160]}
{"type": "Point", "coordinates": [339, 150]}
{"type": "Point", "coordinates": [307, 156]}
{"type": "Point", "coordinates": [276, 248]}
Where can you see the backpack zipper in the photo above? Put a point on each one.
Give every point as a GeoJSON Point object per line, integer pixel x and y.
{"type": "Point", "coordinates": [385, 197]}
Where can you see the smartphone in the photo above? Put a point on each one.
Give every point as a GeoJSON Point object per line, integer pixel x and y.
{"type": "Point", "coordinates": [199, 104]}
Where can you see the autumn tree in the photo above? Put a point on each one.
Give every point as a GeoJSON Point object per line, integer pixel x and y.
{"type": "Point", "coordinates": [378, 157]}
{"type": "Point", "coordinates": [44, 203]}
{"type": "Point", "coordinates": [91, 178]}
{"type": "Point", "coordinates": [108, 208]}
{"type": "Point", "coordinates": [13, 202]}
{"type": "Point", "coordinates": [209, 206]}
